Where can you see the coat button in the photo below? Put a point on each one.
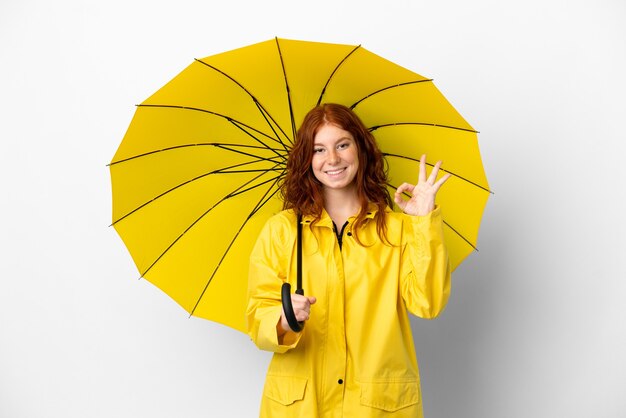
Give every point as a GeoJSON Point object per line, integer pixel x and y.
{"type": "Point", "coordinates": [349, 234]}
{"type": "Point", "coordinates": [340, 381]}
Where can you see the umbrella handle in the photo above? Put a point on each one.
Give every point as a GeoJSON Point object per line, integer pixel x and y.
{"type": "Point", "coordinates": [288, 307]}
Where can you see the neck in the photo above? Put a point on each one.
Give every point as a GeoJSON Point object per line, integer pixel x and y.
{"type": "Point", "coordinates": [341, 204]}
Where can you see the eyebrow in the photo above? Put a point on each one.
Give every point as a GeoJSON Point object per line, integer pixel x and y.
{"type": "Point", "coordinates": [336, 142]}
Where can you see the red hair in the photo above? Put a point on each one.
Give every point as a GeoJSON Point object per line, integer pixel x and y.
{"type": "Point", "coordinates": [302, 192]}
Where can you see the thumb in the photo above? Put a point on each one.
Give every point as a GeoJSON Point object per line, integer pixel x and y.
{"type": "Point", "coordinates": [312, 299]}
{"type": "Point", "coordinates": [399, 201]}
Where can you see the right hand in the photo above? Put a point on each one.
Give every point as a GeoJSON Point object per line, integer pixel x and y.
{"type": "Point", "coordinates": [301, 308]}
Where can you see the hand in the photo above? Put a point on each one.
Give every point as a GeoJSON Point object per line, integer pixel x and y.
{"type": "Point", "coordinates": [301, 308]}
{"type": "Point", "coordinates": [422, 200]}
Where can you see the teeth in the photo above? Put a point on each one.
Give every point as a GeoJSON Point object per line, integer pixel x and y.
{"type": "Point", "coordinates": [334, 172]}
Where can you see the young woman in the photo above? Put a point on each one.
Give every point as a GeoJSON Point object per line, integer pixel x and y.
{"type": "Point", "coordinates": [363, 267]}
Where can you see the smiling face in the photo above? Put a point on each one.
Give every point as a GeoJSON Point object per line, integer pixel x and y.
{"type": "Point", "coordinates": [335, 157]}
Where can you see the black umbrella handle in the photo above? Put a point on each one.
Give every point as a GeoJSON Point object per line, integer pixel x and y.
{"type": "Point", "coordinates": [288, 308]}
{"type": "Point", "coordinates": [286, 289]}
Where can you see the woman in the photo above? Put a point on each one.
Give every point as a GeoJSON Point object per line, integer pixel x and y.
{"type": "Point", "coordinates": [363, 267]}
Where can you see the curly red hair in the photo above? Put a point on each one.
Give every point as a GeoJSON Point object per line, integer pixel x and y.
{"type": "Point", "coordinates": [302, 192]}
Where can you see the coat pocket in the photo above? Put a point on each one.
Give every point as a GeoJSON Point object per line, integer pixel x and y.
{"type": "Point", "coordinates": [285, 389]}
{"type": "Point", "coordinates": [390, 395]}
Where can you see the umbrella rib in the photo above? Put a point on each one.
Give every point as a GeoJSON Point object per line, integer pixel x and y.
{"type": "Point", "coordinates": [238, 192]}
{"type": "Point", "coordinates": [220, 171]}
{"type": "Point", "coordinates": [445, 223]}
{"type": "Point", "coordinates": [228, 118]}
{"type": "Point", "coordinates": [228, 170]}
{"type": "Point", "coordinates": [282, 63]}
{"type": "Point", "coordinates": [264, 199]}
{"type": "Point", "coordinates": [319, 101]}
{"type": "Point", "coordinates": [434, 125]}
{"type": "Point", "coordinates": [262, 202]}
{"type": "Point", "coordinates": [241, 126]}
{"type": "Point", "coordinates": [442, 169]}
{"type": "Point", "coordinates": [271, 127]}
{"type": "Point", "coordinates": [201, 144]}
{"type": "Point", "coordinates": [234, 193]}
{"type": "Point", "coordinates": [256, 101]}
{"type": "Point", "coordinates": [459, 234]}
{"type": "Point", "coordinates": [259, 158]}
{"type": "Point", "coordinates": [390, 87]}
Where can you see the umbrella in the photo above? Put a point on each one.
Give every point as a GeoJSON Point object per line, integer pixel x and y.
{"type": "Point", "coordinates": [197, 173]}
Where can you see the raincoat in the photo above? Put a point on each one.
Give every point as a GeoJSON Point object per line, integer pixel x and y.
{"type": "Point", "coordinates": [355, 356]}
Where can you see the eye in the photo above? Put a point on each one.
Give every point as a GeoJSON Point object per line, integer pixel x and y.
{"type": "Point", "coordinates": [343, 145]}
{"type": "Point", "coordinates": [318, 150]}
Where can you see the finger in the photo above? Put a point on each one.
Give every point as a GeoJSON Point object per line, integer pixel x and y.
{"type": "Point", "coordinates": [435, 172]}
{"type": "Point", "coordinates": [442, 180]}
{"type": "Point", "coordinates": [302, 316]}
{"type": "Point", "coordinates": [302, 302]}
{"type": "Point", "coordinates": [296, 298]}
{"type": "Point", "coordinates": [303, 313]}
{"type": "Point", "coordinates": [397, 197]}
{"type": "Point", "coordinates": [298, 302]}
{"type": "Point", "coordinates": [422, 173]}
{"type": "Point", "coordinates": [404, 187]}
{"type": "Point", "coordinates": [400, 202]}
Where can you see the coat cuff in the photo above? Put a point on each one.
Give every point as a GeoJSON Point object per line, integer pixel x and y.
{"type": "Point", "coordinates": [268, 335]}
{"type": "Point", "coordinates": [428, 219]}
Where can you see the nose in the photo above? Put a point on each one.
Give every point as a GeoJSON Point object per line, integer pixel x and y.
{"type": "Point", "coordinates": [333, 157]}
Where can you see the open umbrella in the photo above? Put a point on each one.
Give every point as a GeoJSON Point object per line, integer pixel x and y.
{"type": "Point", "coordinates": [197, 173]}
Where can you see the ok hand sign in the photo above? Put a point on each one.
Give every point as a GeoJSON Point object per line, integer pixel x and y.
{"type": "Point", "coordinates": [422, 200]}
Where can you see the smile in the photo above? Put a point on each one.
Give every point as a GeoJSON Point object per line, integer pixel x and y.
{"type": "Point", "coordinates": [335, 172]}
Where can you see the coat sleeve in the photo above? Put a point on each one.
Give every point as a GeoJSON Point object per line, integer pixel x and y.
{"type": "Point", "coordinates": [425, 273]}
{"type": "Point", "coordinates": [269, 263]}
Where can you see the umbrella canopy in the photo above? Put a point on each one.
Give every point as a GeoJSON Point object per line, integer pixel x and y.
{"type": "Point", "coordinates": [198, 171]}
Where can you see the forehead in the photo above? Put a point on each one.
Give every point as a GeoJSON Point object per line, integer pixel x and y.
{"type": "Point", "coordinates": [331, 133]}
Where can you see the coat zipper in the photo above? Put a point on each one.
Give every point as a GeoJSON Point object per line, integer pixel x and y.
{"type": "Point", "coordinates": [339, 234]}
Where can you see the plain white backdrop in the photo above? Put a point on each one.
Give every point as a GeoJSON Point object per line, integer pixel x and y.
{"type": "Point", "coordinates": [536, 323]}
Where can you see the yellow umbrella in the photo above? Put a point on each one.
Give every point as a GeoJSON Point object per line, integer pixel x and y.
{"type": "Point", "coordinates": [197, 173]}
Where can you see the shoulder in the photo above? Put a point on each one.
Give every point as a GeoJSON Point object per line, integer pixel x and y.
{"type": "Point", "coordinates": [275, 236]}
{"type": "Point", "coordinates": [284, 218]}
{"type": "Point", "coordinates": [280, 225]}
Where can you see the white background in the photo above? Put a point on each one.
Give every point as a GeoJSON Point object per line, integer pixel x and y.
{"type": "Point", "coordinates": [536, 326]}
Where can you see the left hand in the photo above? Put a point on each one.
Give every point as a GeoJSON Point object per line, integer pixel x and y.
{"type": "Point", "coordinates": [422, 200]}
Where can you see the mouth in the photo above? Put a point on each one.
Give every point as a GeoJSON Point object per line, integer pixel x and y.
{"type": "Point", "coordinates": [335, 172]}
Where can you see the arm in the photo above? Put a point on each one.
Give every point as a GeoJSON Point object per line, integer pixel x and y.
{"type": "Point", "coordinates": [269, 262]}
{"type": "Point", "coordinates": [425, 273]}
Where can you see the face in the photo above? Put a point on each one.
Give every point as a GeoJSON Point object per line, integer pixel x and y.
{"type": "Point", "coordinates": [335, 157]}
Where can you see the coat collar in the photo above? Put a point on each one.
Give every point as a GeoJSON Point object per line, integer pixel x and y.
{"type": "Point", "coordinates": [325, 219]}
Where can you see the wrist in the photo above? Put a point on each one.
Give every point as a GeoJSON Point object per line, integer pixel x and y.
{"type": "Point", "coordinates": [421, 211]}
{"type": "Point", "coordinates": [280, 327]}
